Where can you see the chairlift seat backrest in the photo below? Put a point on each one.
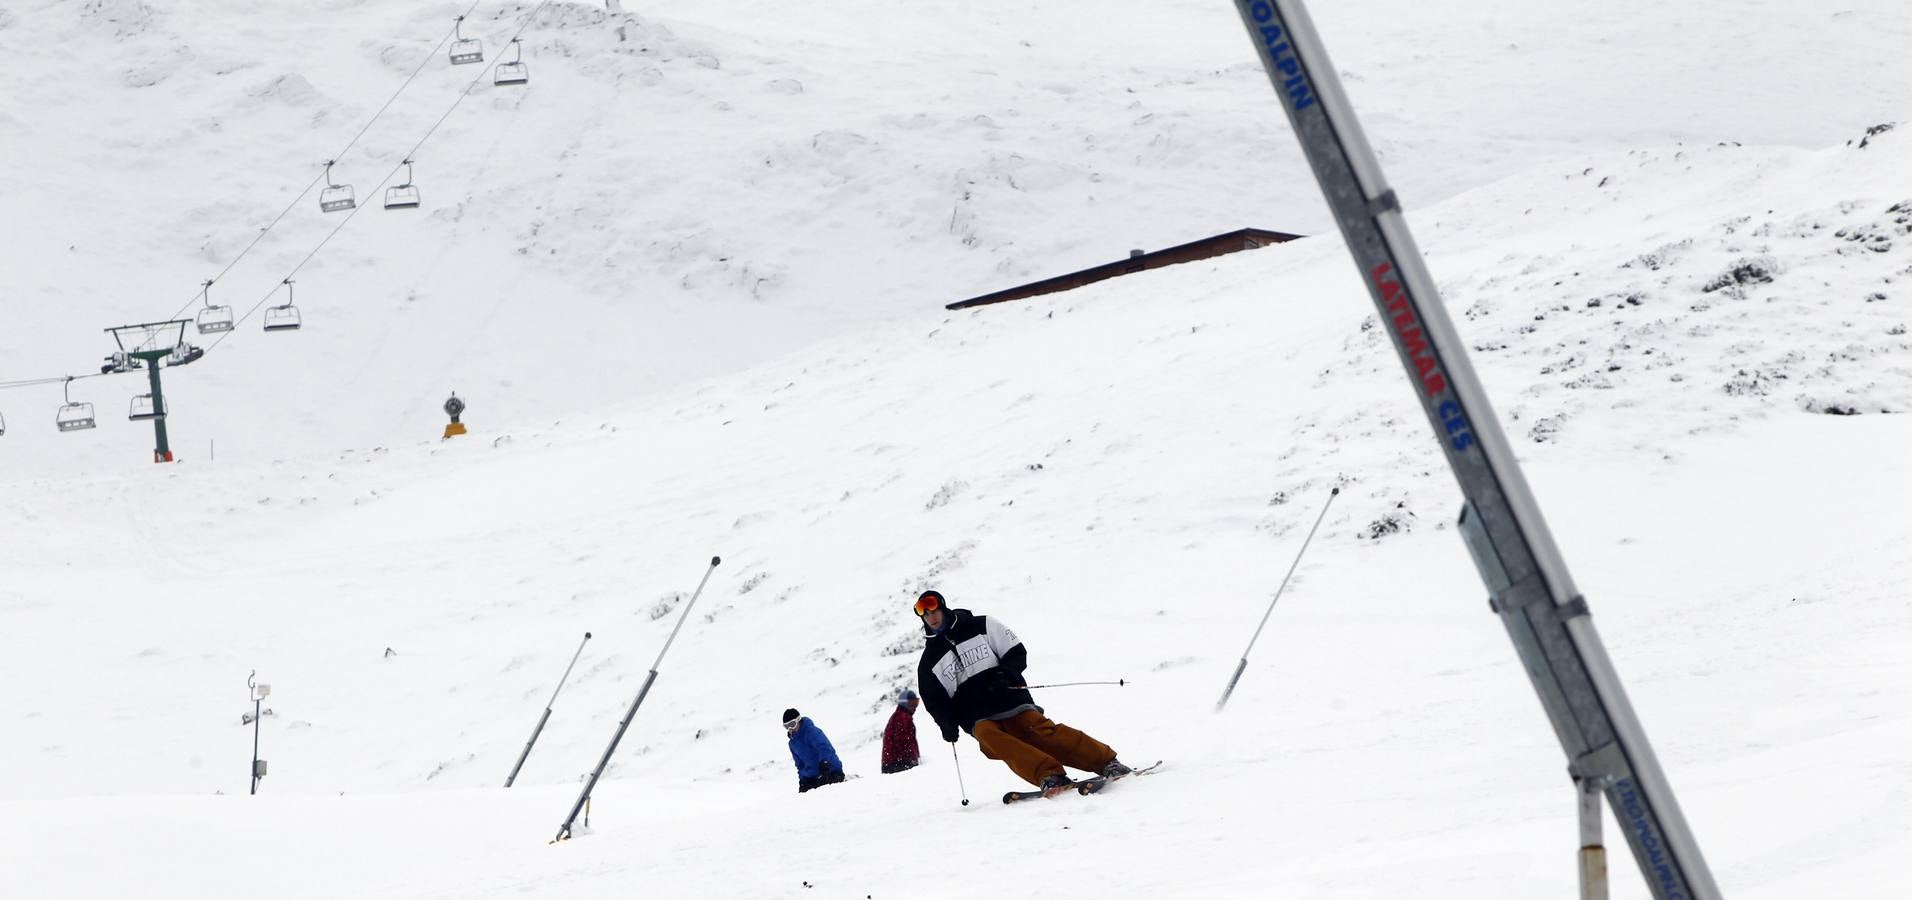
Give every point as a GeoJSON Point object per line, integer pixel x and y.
{"type": "Point", "coordinates": [337, 198]}
{"type": "Point", "coordinates": [467, 50]}
{"type": "Point", "coordinates": [213, 319]}
{"type": "Point", "coordinates": [74, 417]}
{"type": "Point", "coordinates": [142, 408]}
{"type": "Point", "coordinates": [282, 318]}
{"type": "Point", "coordinates": [404, 196]}
{"type": "Point", "coordinates": [510, 73]}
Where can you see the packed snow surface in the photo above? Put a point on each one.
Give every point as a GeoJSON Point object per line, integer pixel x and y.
{"type": "Point", "coordinates": [691, 279]}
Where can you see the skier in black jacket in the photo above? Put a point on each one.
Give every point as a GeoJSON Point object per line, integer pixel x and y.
{"type": "Point", "coordinates": [971, 678]}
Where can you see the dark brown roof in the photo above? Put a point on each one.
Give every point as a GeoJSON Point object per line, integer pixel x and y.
{"type": "Point", "coordinates": [1244, 239]}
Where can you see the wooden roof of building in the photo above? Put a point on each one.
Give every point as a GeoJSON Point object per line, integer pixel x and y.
{"type": "Point", "coordinates": [1233, 241]}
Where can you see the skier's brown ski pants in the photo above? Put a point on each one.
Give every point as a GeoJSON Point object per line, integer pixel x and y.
{"type": "Point", "coordinates": [1036, 748]}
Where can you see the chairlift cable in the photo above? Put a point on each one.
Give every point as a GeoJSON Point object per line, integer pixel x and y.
{"type": "Point", "coordinates": [255, 242]}
{"type": "Point", "coordinates": [433, 54]}
{"type": "Point", "coordinates": [401, 88]}
{"type": "Point", "coordinates": [410, 155]}
{"type": "Point", "coordinates": [198, 298]}
{"type": "Point", "coordinates": [295, 270]}
{"type": "Point", "coordinates": [472, 84]}
{"type": "Point", "coordinates": [55, 379]}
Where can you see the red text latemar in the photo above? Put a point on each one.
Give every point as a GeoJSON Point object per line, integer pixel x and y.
{"type": "Point", "coordinates": [1427, 369]}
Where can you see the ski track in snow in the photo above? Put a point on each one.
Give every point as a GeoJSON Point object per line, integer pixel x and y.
{"type": "Point", "coordinates": [690, 281]}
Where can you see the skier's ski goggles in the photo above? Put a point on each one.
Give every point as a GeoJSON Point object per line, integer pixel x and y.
{"type": "Point", "coordinates": [928, 602]}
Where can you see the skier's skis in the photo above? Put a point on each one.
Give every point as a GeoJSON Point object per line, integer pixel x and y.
{"type": "Point", "coordinates": [1093, 785]}
{"type": "Point", "coordinates": [1019, 796]}
{"type": "Point", "coordinates": [1085, 786]}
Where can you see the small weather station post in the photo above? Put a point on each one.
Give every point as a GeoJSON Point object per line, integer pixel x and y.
{"type": "Point", "coordinates": [259, 694]}
{"type": "Point", "coordinates": [149, 344]}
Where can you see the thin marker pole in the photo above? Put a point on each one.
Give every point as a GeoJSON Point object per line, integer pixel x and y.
{"type": "Point", "coordinates": [547, 712]}
{"type": "Point", "coordinates": [564, 831]}
{"type": "Point", "coordinates": [1243, 665]}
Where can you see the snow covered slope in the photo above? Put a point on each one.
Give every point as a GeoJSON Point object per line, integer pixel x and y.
{"type": "Point", "coordinates": [1122, 472]}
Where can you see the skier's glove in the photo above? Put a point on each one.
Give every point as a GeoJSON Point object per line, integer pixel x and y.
{"type": "Point", "coordinates": [949, 734]}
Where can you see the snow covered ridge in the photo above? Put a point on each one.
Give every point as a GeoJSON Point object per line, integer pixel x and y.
{"type": "Point", "coordinates": [1686, 282]}
{"type": "Point", "coordinates": [716, 175]}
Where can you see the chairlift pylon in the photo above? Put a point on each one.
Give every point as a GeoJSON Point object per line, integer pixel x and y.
{"type": "Point", "coordinates": [335, 197]}
{"type": "Point", "coordinates": [404, 196]}
{"type": "Point", "coordinates": [72, 416]}
{"type": "Point", "coordinates": [213, 318]}
{"type": "Point", "coordinates": [464, 50]}
{"type": "Point", "coordinates": [513, 72]}
{"type": "Point", "coordinates": [284, 317]}
{"type": "Point", "coordinates": [142, 409]}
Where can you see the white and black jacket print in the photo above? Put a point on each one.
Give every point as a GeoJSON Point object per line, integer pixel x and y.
{"type": "Point", "coordinates": [972, 671]}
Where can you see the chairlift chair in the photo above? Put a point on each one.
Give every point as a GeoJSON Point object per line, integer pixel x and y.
{"type": "Point", "coordinates": [465, 50]}
{"type": "Point", "coordinates": [73, 416]}
{"type": "Point", "coordinates": [404, 196]}
{"type": "Point", "coordinates": [286, 316]}
{"type": "Point", "coordinates": [513, 72]}
{"type": "Point", "coordinates": [335, 197]}
{"type": "Point", "coordinates": [282, 318]}
{"type": "Point", "coordinates": [142, 408]}
{"type": "Point", "coordinates": [213, 318]}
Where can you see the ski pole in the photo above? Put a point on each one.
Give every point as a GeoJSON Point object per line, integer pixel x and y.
{"type": "Point", "coordinates": [547, 713]}
{"type": "Point", "coordinates": [1030, 687]}
{"type": "Point", "coordinates": [1243, 665]}
{"type": "Point", "coordinates": [959, 773]}
{"type": "Point", "coordinates": [564, 831]}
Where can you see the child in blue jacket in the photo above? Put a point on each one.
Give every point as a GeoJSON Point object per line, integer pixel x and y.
{"type": "Point", "coordinates": [817, 763]}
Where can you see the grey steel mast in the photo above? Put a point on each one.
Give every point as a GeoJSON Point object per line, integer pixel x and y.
{"type": "Point", "coordinates": [1526, 577]}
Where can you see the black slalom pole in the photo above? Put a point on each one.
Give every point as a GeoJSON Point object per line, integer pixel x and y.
{"type": "Point", "coordinates": [564, 831]}
{"type": "Point", "coordinates": [1243, 665]}
{"type": "Point", "coordinates": [959, 773]}
{"type": "Point", "coordinates": [547, 713]}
